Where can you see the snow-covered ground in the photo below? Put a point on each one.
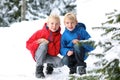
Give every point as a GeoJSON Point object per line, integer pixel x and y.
{"type": "Point", "coordinates": [16, 62]}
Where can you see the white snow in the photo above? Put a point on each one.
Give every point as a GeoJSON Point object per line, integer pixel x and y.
{"type": "Point", "coordinates": [16, 62]}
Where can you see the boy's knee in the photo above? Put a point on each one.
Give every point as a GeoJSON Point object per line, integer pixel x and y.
{"type": "Point", "coordinates": [44, 43]}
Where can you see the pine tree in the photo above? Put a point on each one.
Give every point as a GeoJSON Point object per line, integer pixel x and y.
{"type": "Point", "coordinates": [43, 8]}
{"type": "Point", "coordinates": [10, 10]}
{"type": "Point", "coordinates": [110, 61]}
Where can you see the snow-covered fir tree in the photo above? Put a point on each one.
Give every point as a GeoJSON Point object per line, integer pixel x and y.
{"type": "Point", "coordinates": [10, 10]}
{"type": "Point", "coordinates": [110, 43]}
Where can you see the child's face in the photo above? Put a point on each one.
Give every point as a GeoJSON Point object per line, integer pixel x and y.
{"type": "Point", "coordinates": [53, 24]}
{"type": "Point", "coordinates": [70, 24]}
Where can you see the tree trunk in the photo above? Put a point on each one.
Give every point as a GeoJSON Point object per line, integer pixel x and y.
{"type": "Point", "coordinates": [23, 10]}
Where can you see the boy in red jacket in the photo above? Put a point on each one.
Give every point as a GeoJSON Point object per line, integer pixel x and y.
{"type": "Point", "coordinates": [44, 46]}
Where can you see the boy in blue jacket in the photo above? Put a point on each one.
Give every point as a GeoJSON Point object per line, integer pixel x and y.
{"type": "Point", "coordinates": [74, 53]}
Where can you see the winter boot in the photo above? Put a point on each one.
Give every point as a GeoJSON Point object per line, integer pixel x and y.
{"type": "Point", "coordinates": [72, 70]}
{"type": "Point", "coordinates": [49, 68]}
{"type": "Point", "coordinates": [81, 70]}
{"type": "Point", "coordinates": [39, 72]}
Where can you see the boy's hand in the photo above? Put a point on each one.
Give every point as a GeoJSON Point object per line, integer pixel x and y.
{"type": "Point", "coordinates": [42, 40]}
{"type": "Point", "coordinates": [75, 41]}
{"type": "Point", "coordinates": [70, 53]}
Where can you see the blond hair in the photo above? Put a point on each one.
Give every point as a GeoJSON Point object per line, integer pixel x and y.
{"type": "Point", "coordinates": [54, 16]}
{"type": "Point", "coordinates": [70, 16]}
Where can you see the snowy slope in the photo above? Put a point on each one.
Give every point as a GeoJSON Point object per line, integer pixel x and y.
{"type": "Point", "coordinates": [16, 62]}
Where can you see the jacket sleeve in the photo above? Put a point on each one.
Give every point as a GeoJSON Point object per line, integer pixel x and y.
{"type": "Point", "coordinates": [31, 42]}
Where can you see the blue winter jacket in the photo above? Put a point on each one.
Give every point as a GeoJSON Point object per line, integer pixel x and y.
{"type": "Point", "coordinates": [79, 33]}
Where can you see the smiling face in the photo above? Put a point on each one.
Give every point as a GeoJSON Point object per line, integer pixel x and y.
{"type": "Point", "coordinates": [70, 21]}
{"type": "Point", "coordinates": [70, 24]}
{"type": "Point", "coordinates": [53, 23]}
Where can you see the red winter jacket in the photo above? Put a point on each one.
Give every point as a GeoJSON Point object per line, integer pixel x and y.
{"type": "Point", "coordinates": [53, 37]}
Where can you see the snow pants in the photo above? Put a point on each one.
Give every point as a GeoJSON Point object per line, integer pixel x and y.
{"type": "Point", "coordinates": [42, 57]}
{"type": "Point", "coordinates": [77, 59]}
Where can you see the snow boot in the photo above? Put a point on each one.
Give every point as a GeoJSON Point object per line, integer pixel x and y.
{"type": "Point", "coordinates": [49, 68]}
{"type": "Point", "coordinates": [81, 70]}
{"type": "Point", "coordinates": [39, 72]}
{"type": "Point", "coordinates": [72, 70]}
